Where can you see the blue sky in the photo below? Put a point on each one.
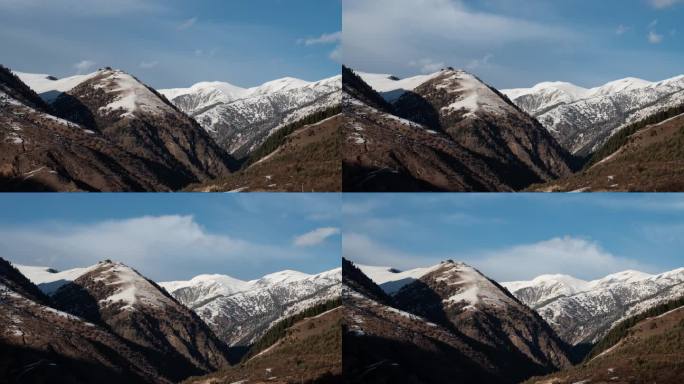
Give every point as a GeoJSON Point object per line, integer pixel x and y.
{"type": "Point", "coordinates": [517, 236]}
{"type": "Point", "coordinates": [518, 43]}
{"type": "Point", "coordinates": [174, 43]}
{"type": "Point", "coordinates": [174, 236]}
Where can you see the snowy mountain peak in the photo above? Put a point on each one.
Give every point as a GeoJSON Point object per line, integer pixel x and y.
{"type": "Point", "coordinates": [285, 276]}
{"type": "Point", "coordinates": [125, 286]}
{"type": "Point", "coordinates": [48, 279]}
{"type": "Point", "coordinates": [583, 119]}
{"type": "Point", "coordinates": [584, 311]}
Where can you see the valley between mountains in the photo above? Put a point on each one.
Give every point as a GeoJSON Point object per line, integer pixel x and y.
{"type": "Point", "coordinates": [430, 325]}
{"type": "Point", "coordinates": [108, 323]}
{"type": "Point", "coordinates": [450, 131]}
{"type": "Point", "coordinates": [109, 131]}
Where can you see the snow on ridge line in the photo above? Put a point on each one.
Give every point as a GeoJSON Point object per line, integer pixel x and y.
{"type": "Point", "coordinates": [234, 93]}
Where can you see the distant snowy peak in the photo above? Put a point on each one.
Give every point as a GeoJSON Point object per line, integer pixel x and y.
{"type": "Point", "coordinates": [240, 119]}
{"type": "Point", "coordinates": [48, 279]}
{"type": "Point", "coordinates": [583, 311]}
{"type": "Point", "coordinates": [583, 119]}
{"type": "Point", "coordinates": [49, 87]}
{"type": "Point", "coordinates": [569, 93]}
{"type": "Point", "coordinates": [391, 87]}
{"type": "Point", "coordinates": [392, 280]}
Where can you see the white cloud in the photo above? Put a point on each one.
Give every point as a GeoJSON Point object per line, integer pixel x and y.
{"type": "Point", "coordinates": [660, 4]}
{"type": "Point", "coordinates": [84, 66]}
{"type": "Point", "coordinates": [326, 38]}
{"type": "Point", "coordinates": [148, 64]}
{"type": "Point", "coordinates": [363, 250]}
{"type": "Point", "coordinates": [315, 237]}
{"type": "Point", "coordinates": [385, 35]}
{"type": "Point", "coordinates": [573, 256]}
{"type": "Point", "coordinates": [654, 38]}
{"type": "Point", "coordinates": [477, 63]}
{"type": "Point", "coordinates": [578, 257]}
{"type": "Point", "coordinates": [621, 30]}
{"type": "Point", "coordinates": [159, 245]}
{"type": "Point", "coordinates": [187, 24]}
{"type": "Point", "coordinates": [336, 54]}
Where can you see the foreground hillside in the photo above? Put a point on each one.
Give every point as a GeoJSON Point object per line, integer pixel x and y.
{"type": "Point", "coordinates": [648, 349]}
{"type": "Point", "coordinates": [301, 157]}
{"type": "Point", "coordinates": [646, 157]}
{"type": "Point", "coordinates": [308, 351]}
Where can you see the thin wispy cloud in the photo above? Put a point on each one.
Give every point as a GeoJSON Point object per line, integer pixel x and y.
{"type": "Point", "coordinates": [661, 4]}
{"type": "Point", "coordinates": [148, 64]}
{"type": "Point", "coordinates": [326, 38]}
{"type": "Point", "coordinates": [315, 237]}
{"type": "Point", "coordinates": [427, 65]}
{"type": "Point", "coordinates": [655, 38]}
{"type": "Point", "coordinates": [84, 66]}
{"type": "Point", "coordinates": [621, 30]}
{"type": "Point", "coordinates": [187, 24]}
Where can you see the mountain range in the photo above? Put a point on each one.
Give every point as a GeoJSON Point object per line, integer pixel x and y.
{"type": "Point", "coordinates": [108, 131]}
{"type": "Point", "coordinates": [450, 131]}
{"type": "Point", "coordinates": [107, 322]}
{"type": "Point", "coordinates": [240, 119]}
{"type": "Point", "coordinates": [443, 131]}
{"type": "Point", "coordinates": [583, 119]}
{"type": "Point", "coordinates": [586, 318]}
{"type": "Point", "coordinates": [584, 311]}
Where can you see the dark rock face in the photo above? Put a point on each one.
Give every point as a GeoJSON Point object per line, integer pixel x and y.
{"type": "Point", "coordinates": [137, 310]}
{"type": "Point", "coordinates": [457, 134]}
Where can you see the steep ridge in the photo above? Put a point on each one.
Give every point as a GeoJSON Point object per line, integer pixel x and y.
{"type": "Point", "coordinates": [584, 311]}
{"type": "Point", "coordinates": [457, 295]}
{"type": "Point", "coordinates": [40, 344]}
{"type": "Point", "coordinates": [41, 152]}
{"type": "Point", "coordinates": [382, 344]}
{"type": "Point", "coordinates": [139, 311]}
{"type": "Point", "coordinates": [495, 140]}
{"type": "Point", "coordinates": [453, 309]}
{"type": "Point", "coordinates": [240, 312]}
{"type": "Point", "coordinates": [383, 152]}
{"type": "Point", "coordinates": [309, 351]}
{"type": "Point", "coordinates": [240, 119]}
{"type": "Point", "coordinates": [648, 350]}
{"type": "Point", "coordinates": [582, 119]}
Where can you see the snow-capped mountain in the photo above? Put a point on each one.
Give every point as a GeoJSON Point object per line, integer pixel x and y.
{"type": "Point", "coordinates": [451, 303]}
{"type": "Point", "coordinates": [583, 311]}
{"type": "Point", "coordinates": [506, 146]}
{"type": "Point", "coordinates": [115, 106]}
{"type": "Point", "coordinates": [240, 119]}
{"type": "Point", "coordinates": [241, 311]}
{"type": "Point", "coordinates": [581, 119]}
